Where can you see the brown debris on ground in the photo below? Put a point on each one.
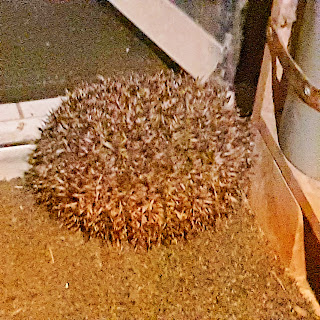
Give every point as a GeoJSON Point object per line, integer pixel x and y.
{"type": "Point", "coordinates": [48, 272]}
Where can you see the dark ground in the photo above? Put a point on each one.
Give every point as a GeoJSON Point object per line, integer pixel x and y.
{"type": "Point", "coordinates": [47, 272]}
{"type": "Point", "coordinates": [47, 47]}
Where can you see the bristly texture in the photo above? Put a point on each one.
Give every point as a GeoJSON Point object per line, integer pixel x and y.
{"type": "Point", "coordinates": [146, 160]}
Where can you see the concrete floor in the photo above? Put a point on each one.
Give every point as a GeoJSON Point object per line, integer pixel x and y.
{"type": "Point", "coordinates": [48, 47]}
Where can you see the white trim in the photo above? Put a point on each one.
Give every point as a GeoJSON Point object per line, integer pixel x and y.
{"type": "Point", "coordinates": [18, 127]}
{"type": "Point", "coordinates": [14, 161]}
{"type": "Point", "coordinates": [184, 41]}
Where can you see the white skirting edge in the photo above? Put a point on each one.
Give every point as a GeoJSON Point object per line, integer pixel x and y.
{"type": "Point", "coordinates": [175, 33]}
{"type": "Point", "coordinates": [14, 161]}
{"type": "Point", "coordinates": [20, 122]}
{"type": "Point", "coordinates": [18, 131]}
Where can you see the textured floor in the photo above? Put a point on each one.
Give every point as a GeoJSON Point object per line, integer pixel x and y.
{"type": "Point", "coordinates": [231, 273]}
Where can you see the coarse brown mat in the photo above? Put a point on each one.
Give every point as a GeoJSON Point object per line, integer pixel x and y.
{"type": "Point", "coordinates": [49, 272]}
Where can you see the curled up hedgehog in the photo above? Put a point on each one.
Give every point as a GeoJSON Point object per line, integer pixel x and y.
{"type": "Point", "coordinates": [145, 160]}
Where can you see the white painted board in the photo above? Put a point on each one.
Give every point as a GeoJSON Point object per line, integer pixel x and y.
{"type": "Point", "coordinates": [14, 161]}
{"type": "Point", "coordinates": [20, 122]}
{"type": "Point", "coordinates": [19, 131]}
{"type": "Point", "coordinates": [183, 40]}
{"type": "Point", "coordinates": [20, 126]}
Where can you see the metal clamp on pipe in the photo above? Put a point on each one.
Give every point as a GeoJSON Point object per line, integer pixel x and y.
{"type": "Point", "coordinates": [307, 92]}
{"type": "Point", "coordinates": [298, 113]}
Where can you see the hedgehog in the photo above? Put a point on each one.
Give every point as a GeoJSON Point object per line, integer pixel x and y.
{"type": "Point", "coordinates": [144, 160]}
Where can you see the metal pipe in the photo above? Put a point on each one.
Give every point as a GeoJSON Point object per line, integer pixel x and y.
{"type": "Point", "coordinates": [299, 133]}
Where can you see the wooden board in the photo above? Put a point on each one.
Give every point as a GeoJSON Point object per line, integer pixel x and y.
{"type": "Point", "coordinates": [277, 211]}
{"type": "Point", "coordinates": [280, 197]}
{"type": "Point", "coordinates": [175, 33]}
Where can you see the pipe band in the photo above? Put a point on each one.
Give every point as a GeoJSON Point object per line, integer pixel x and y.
{"type": "Point", "coordinates": [301, 84]}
